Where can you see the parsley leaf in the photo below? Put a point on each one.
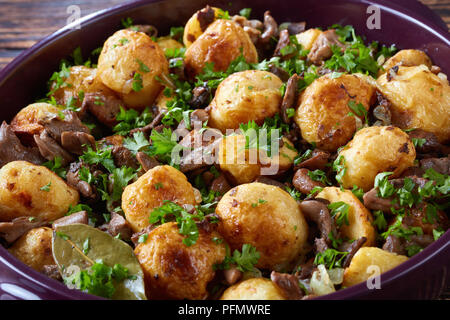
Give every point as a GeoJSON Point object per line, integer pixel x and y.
{"type": "Point", "coordinates": [339, 211]}
{"type": "Point", "coordinates": [136, 143]}
{"type": "Point", "coordinates": [331, 258]}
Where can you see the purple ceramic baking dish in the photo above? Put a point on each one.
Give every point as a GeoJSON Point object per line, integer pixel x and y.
{"type": "Point", "coordinates": [406, 23]}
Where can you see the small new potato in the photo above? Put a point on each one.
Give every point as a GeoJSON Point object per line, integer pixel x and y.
{"type": "Point", "coordinates": [266, 217]}
{"type": "Point", "coordinates": [420, 99]}
{"type": "Point", "coordinates": [33, 191]}
{"type": "Point", "coordinates": [149, 192]}
{"type": "Point", "coordinates": [129, 64]}
{"type": "Point", "coordinates": [222, 42]}
{"type": "Point", "coordinates": [253, 289]}
{"type": "Point", "coordinates": [81, 79]}
{"type": "Point", "coordinates": [168, 43]}
{"type": "Point", "coordinates": [374, 150]}
{"type": "Point", "coordinates": [323, 111]}
{"type": "Point", "coordinates": [26, 121]}
{"type": "Point", "coordinates": [244, 96]}
{"type": "Point", "coordinates": [406, 58]}
{"type": "Point", "coordinates": [307, 38]}
{"type": "Point", "coordinates": [360, 268]}
{"type": "Point", "coordinates": [359, 218]}
{"type": "Point", "coordinates": [34, 248]}
{"type": "Point", "coordinates": [173, 270]}
{"type": "Point", "coordinates": [192, 29]}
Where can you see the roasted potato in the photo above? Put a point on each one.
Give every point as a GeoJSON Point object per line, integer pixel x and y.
{"type": "Point", "coordinates": [173, 270]}
{"type": "Point", "coordinates": [26, 121]}
{"type": "Point", "coordinates": [266, 217]}
{"type": "Point", "coordinates": [420, 99]}
{"type": "Point", "coordinates": [323, 111]}
{"type": "Point", "coordinates": [406, 58]}
{"type": "Point", "coordinates": [245, 165]}
{"type": "Point", "coordinates": [130, 64]}
{"type": "Point", "coordinates": [168, 43]}
{"type": "Point", "coordinates": [374, 150]}
{"type": "Point", "coordinates": [307, 38]}
{"type": "Point", "coordinates": [34, 248]}
{"type": "Point", "coordinates": [359, 218]}
{"type": "Point", "coordinates": [222, 42]}
{"type": "Point", "coordinates": [192, 29]}
{"type": "Point", "coordinates": [370, 256]}
{"type": "Point", "coordinates": [244, 96]}
{"type": "Point", "coordinates": [33, 191]}
{"type": "Point", "coordinates": [253, 289]}
{"type": "Point", "coordinates": [149, 192]}
{"type": "Point", "coordinates": [81, 79]}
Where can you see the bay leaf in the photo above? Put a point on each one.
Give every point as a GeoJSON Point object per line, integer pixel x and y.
{"type": "Point", "coordinates": [103, 247]}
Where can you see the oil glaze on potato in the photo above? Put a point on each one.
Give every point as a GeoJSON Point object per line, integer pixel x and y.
{"type": "Point", "coordinates": [266, 217]}
{"type": "Point", "coordinates": [359, 218]}
{"type": "Point", "coordinates": [420, 99]}
{"type": "Point", "coordinates": [222, 42]}
{"type": "Point", "coordinates": [359, 269]}
{"type": "Point", "coordinates": [175, 271]}
{"type": "Point", "coordinates": [323, 112]}
{"type": "Point", "coordinates": [253, 289]}
{"type": "Point", "coordinates": [23, 192]}
{"type": "Point", "coordinates": [149, 192]}
{"type": "Point", "coordinates": [34, 248]}
{"type": "Point", "coordinates": [307, 38]}
{"type": "Point", "coordinates": [168, 43]}
{"type": "Point", "coordinates": [244, 96]}
{"type": "Point", "coordinates": [407, 58]}
{"type": "Point", "coordinates": [374, 150]}
{"type": "Point", "coordinates": [26, 121]}
{"type": "Point", "coordinates": [245, 165]}
{"type": "Point", "coordinates": [125, 54]}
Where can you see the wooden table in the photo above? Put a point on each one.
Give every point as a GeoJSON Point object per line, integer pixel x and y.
{"type": "Point", "coordinates": [24, 22]}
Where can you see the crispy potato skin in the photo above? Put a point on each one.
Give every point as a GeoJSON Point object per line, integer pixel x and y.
{"type": "Point", "coordinates": [192, 28]}
{"type": "Point", "coordinates": [245, 165]}
{"type": "Point", "coordinates": [118, 64]}
{"type": "Point", "coordinates": [21, 194]}
{"type": "Point", "coordinates": [25, 122]}
{"type": "Point", "coordinates": [34, 248]}
{"type": "Point", "coordinates": [141, 197]}
{"type": "Point", "coordinates": [370, 256]}
{"type": "Point", "coordinates": [220, 44]}
{"type": "Point", "coordinates": [173, 270]}
{"type": "Point", "coordinates": [276, 227]}
{"type": "Point", "coordinates": [307, 38]}
{"type": "Point", "coordinates": [406, 58]}
{"type": "Point", "coordinates": [253, 289]}
{"type": "Point", "coordinates": [374, 150]}
{"type": "Point", "coordinates": [420, 99]}
{"type": "Point", "coordinates": [244, 96]}
{"type": "Point", "coordinates": [81, 78]}
{"type": "Point", "coordinates": [359, 218]}
{"type": "Point", "coordinates": [323, 111]}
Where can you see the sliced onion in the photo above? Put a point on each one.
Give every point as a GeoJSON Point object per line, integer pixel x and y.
{"type": "Point", "coordinates": [320, 282]}
{"type": "Point", "coordinates": [336, 275]}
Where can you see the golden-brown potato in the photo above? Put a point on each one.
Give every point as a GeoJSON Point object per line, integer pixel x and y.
{"type": "Point", "coordinates": [192, 29]}
{"type": "Point", "coordinates": [149, 192]}
{"type": "Point", "coordinates": [420, 99]}
{"type": "Point", "coordinates": [33, 191]}
{"type": "Point", "coordinates": [266, 217]}
{"type": "Point", "coordinates": [406, 58]}
{"type": "Point", "coordinates": [253, 289]}
{"type": "Point", "coordinates": [168, 43]}
{"type": "Point", "coordinates": [129, 57]}
{"type": "Point", "coordinates": [359, 270]}
{"type": "Point", "coordinates": [83, 79]}
{"type": "Point", "coordinates": [173, 270]}
{"type": "Point", "coordinates": [222, 42]}
{"type": "Point", "coordinates": [307, 38]}
{"type": "Point", "coordinates": [34, 248]}
{"type": "Point", "coordinates": [374, 150]}
{"type": "Point", "coordinates": [26, 121]}
{"type": "Point", "coordinates": [359, 218]}
{"type": "Point", "coordinates": [245, 165]}
{"type": "Point", "coordinates": [244, 96]}
{"type": "Point", "coordinates": [161, 100]}
{"type": "Point", "coordinates": [323, 112]}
